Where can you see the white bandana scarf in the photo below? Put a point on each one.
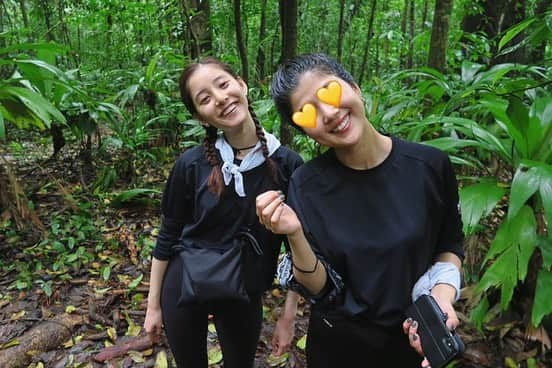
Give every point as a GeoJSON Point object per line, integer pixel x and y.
{"type": "Point", "coordinates": [253, 159]}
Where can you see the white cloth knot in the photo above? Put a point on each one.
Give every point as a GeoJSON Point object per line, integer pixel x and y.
{"type": "Point", "coordinates": [251, 160]}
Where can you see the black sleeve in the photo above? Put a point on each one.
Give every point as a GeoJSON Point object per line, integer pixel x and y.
{"type": "Point", "coordinates": [450, 235]}
{"type": "Point", "coordinates": [176, 209]}
{"type": "Point", "coordinates": [334, 285]}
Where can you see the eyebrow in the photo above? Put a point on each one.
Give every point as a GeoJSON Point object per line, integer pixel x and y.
{"type": "Point", "coordinates": [203, 89]}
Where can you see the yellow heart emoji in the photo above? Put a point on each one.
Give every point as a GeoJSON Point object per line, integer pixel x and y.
{"type": "Point", "coordinates": [330, 95]}
{"type": "Point", "coordinates": [305, 118]}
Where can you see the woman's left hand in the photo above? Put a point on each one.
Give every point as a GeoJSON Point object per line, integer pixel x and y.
{"type": "Point", "coordinates": [442, 295]}
{"type": "Point", "coordinates": [283, 335]}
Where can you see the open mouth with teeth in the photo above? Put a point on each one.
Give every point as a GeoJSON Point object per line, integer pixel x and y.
{"type": "Point", "coordinates": [229, 109]}
{"type": "Point", "coordinates": [343, 125]}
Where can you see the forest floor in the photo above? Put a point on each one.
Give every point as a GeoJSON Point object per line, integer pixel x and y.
{"type": "Point", "coordinates": [92, 262]}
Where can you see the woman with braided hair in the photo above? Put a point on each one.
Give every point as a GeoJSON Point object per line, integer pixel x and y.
{"type": "Point", "coordinates": [210, 196]}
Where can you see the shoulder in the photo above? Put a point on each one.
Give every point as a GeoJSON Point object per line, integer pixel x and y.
{"type": "Point", "coordinates": [423, 154]}
{"type": "Point", "coordinates": [287, 155]}
{"type": "Point", "coordinates": [313, 168]}
{"type": "Point", "coordinates": [188, 158]}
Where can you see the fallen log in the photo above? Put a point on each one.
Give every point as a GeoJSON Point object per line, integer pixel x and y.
{"type": "Point", "coordinates": [111, 352]}
{"type": "Point", "coordinates": [44, 337]}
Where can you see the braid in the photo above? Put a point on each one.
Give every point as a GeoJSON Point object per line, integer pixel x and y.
{"type": "Point", "coordinates": [271, 165]}
{"type": "Point", "coordinates": [214, 182]}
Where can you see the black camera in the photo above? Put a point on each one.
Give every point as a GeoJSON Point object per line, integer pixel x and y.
{"type": "Point", "coordinates": [440, 345]}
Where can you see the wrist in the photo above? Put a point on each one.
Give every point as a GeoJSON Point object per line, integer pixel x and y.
{"type": "Point", "coordinates": [444, 292]}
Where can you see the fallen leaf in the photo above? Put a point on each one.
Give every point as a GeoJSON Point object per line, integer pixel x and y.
{"type": "Point", "coordinates": [161, 360]}
{"type": "Point", "coordinates": [18, 315]}
{"type": "Point", "coordinates": [215, 355]}
{"type": "Point", "coordinates": [302, 342]}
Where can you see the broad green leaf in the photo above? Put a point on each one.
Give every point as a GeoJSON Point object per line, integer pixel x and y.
{"type": "Point", "coordinates": [151, 69]}
{"type": "Point", "coordinates": [35, 103]}
{"type": "Point", "coordinates": [498, 107]}
{"type": "Point", "coordinates": [525, 183]}
{"type": "Point", "coordinates": [469, 70]}
{"type": "Point", "coordinates": [477, 201]}
{"type": "Point", "coordinates": [518, 115]}
{"type": "Point", "coordinates": [477, 314]}
{"type": "Point", "coordinates": [514, 31]}
{"type": "Point", "coordinates": [524, 233]}
{"type": "Point", "coordinates": [545, 191]}
{"type": "Point", "coordinates": [449, 144]}
{"type": "Point", "coordinates": [60, 49]}
{"type": "Point", "coordinates": [545, 246]}
{"type": "Point", "coordinates": [542, 304]}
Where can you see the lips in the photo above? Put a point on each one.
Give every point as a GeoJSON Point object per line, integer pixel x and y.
{"type": "Point", "coordinates": [343, 123]}
{"type": "Point", "coordinates": [229, 109]}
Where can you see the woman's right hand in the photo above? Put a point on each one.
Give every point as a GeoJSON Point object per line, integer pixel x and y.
{"type": "Point", "coordinates": [275, 215]}
{"type": "Point", "coordinates": [153, 323]}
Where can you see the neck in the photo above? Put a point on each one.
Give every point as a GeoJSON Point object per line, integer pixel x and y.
{"type": "Point", "coordinates": [370, 151]}
{"type": "Point", "coordinates": [243, 136]}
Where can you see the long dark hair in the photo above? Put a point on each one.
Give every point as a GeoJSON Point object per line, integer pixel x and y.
{"type": "Point", "coordinates": [287, 77]}
{"type": "Point", "coordinates": [215, 181]}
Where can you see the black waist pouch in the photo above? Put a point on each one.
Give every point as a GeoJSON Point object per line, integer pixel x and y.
{"type": "Point", "coordinates": [213, 272]}
{"type": "Point", "coordinates": [440, 345]}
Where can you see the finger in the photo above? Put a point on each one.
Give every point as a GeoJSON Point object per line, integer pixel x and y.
{"type": "Point", "coordinates": [267, 212]}
{"type": "Point", "coordinates": [275, 218]}
{"type": "Point", "coordinates": [416, 344]}
{"type": "Point", "coordinates": [425, 363]}
{"type": "Point", "coordinates": [406, 325]}
{"type": "Point", "coordinates": [263, 200]}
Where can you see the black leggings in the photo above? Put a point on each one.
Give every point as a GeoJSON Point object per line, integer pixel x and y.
{"type": "Point", "coordinates": [238, 326]}
{"type": "Point", "coordinates": [336, 341]}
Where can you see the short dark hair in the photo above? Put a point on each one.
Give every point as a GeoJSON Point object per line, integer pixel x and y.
{"type": "Point", "coordinates": [287, 77]}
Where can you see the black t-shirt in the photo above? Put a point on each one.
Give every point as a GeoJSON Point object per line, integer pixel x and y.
{"type": "Point", "coordinates": [190, 211]}
{"type": "Point", "coordinates": [381, 228]}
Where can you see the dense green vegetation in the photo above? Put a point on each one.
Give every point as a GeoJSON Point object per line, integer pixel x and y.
{"type": "Point", "coordinates": [89, 99]}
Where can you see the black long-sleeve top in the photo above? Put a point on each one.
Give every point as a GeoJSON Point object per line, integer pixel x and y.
{"type": "Point", "coordinates": [191, 212]}
{"type": "Point", "coordinates": [379, 229]}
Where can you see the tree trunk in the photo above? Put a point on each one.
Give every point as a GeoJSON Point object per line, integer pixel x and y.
{"type": "Point", "coordinates": [404, 19]}
{"type": "Point", "coordinates": [496, 17]}
{"type": "Point", "coordinates": [369, 36]}
{"type": "Point", "coordinates": [424, 15]}
{"type": "Point", "coordinates": [2, 39]}
{"type": "Point", "coordinates": [439, 35]}
{"type": "Point", "coordinates": [288, 22]}
{"type": "Point", "coordinates": [410, 61]}
{"type": "Point", "coordinates": [239, 40]}
{"type": "Point", "coordinates": [261, 58]}
{"type": "Point", "coordinates": [197, 27]}
{"type": "Point", "coordinates": [24, 14]}
{"type": "Point", "coordinates": [46, 336]}
{"type": "Point", "coordinates": [340, 30]}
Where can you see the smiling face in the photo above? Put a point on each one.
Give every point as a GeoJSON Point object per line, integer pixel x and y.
{"type": "Point", "coordinates": [219, 99]}
{"type": "Point", "coordinates": [335, 126]}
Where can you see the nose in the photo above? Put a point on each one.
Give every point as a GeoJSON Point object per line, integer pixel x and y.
{"type": "Point", "coordinates": [219, 97]}
{"type": "Point", "coordinates": [328, 113]}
